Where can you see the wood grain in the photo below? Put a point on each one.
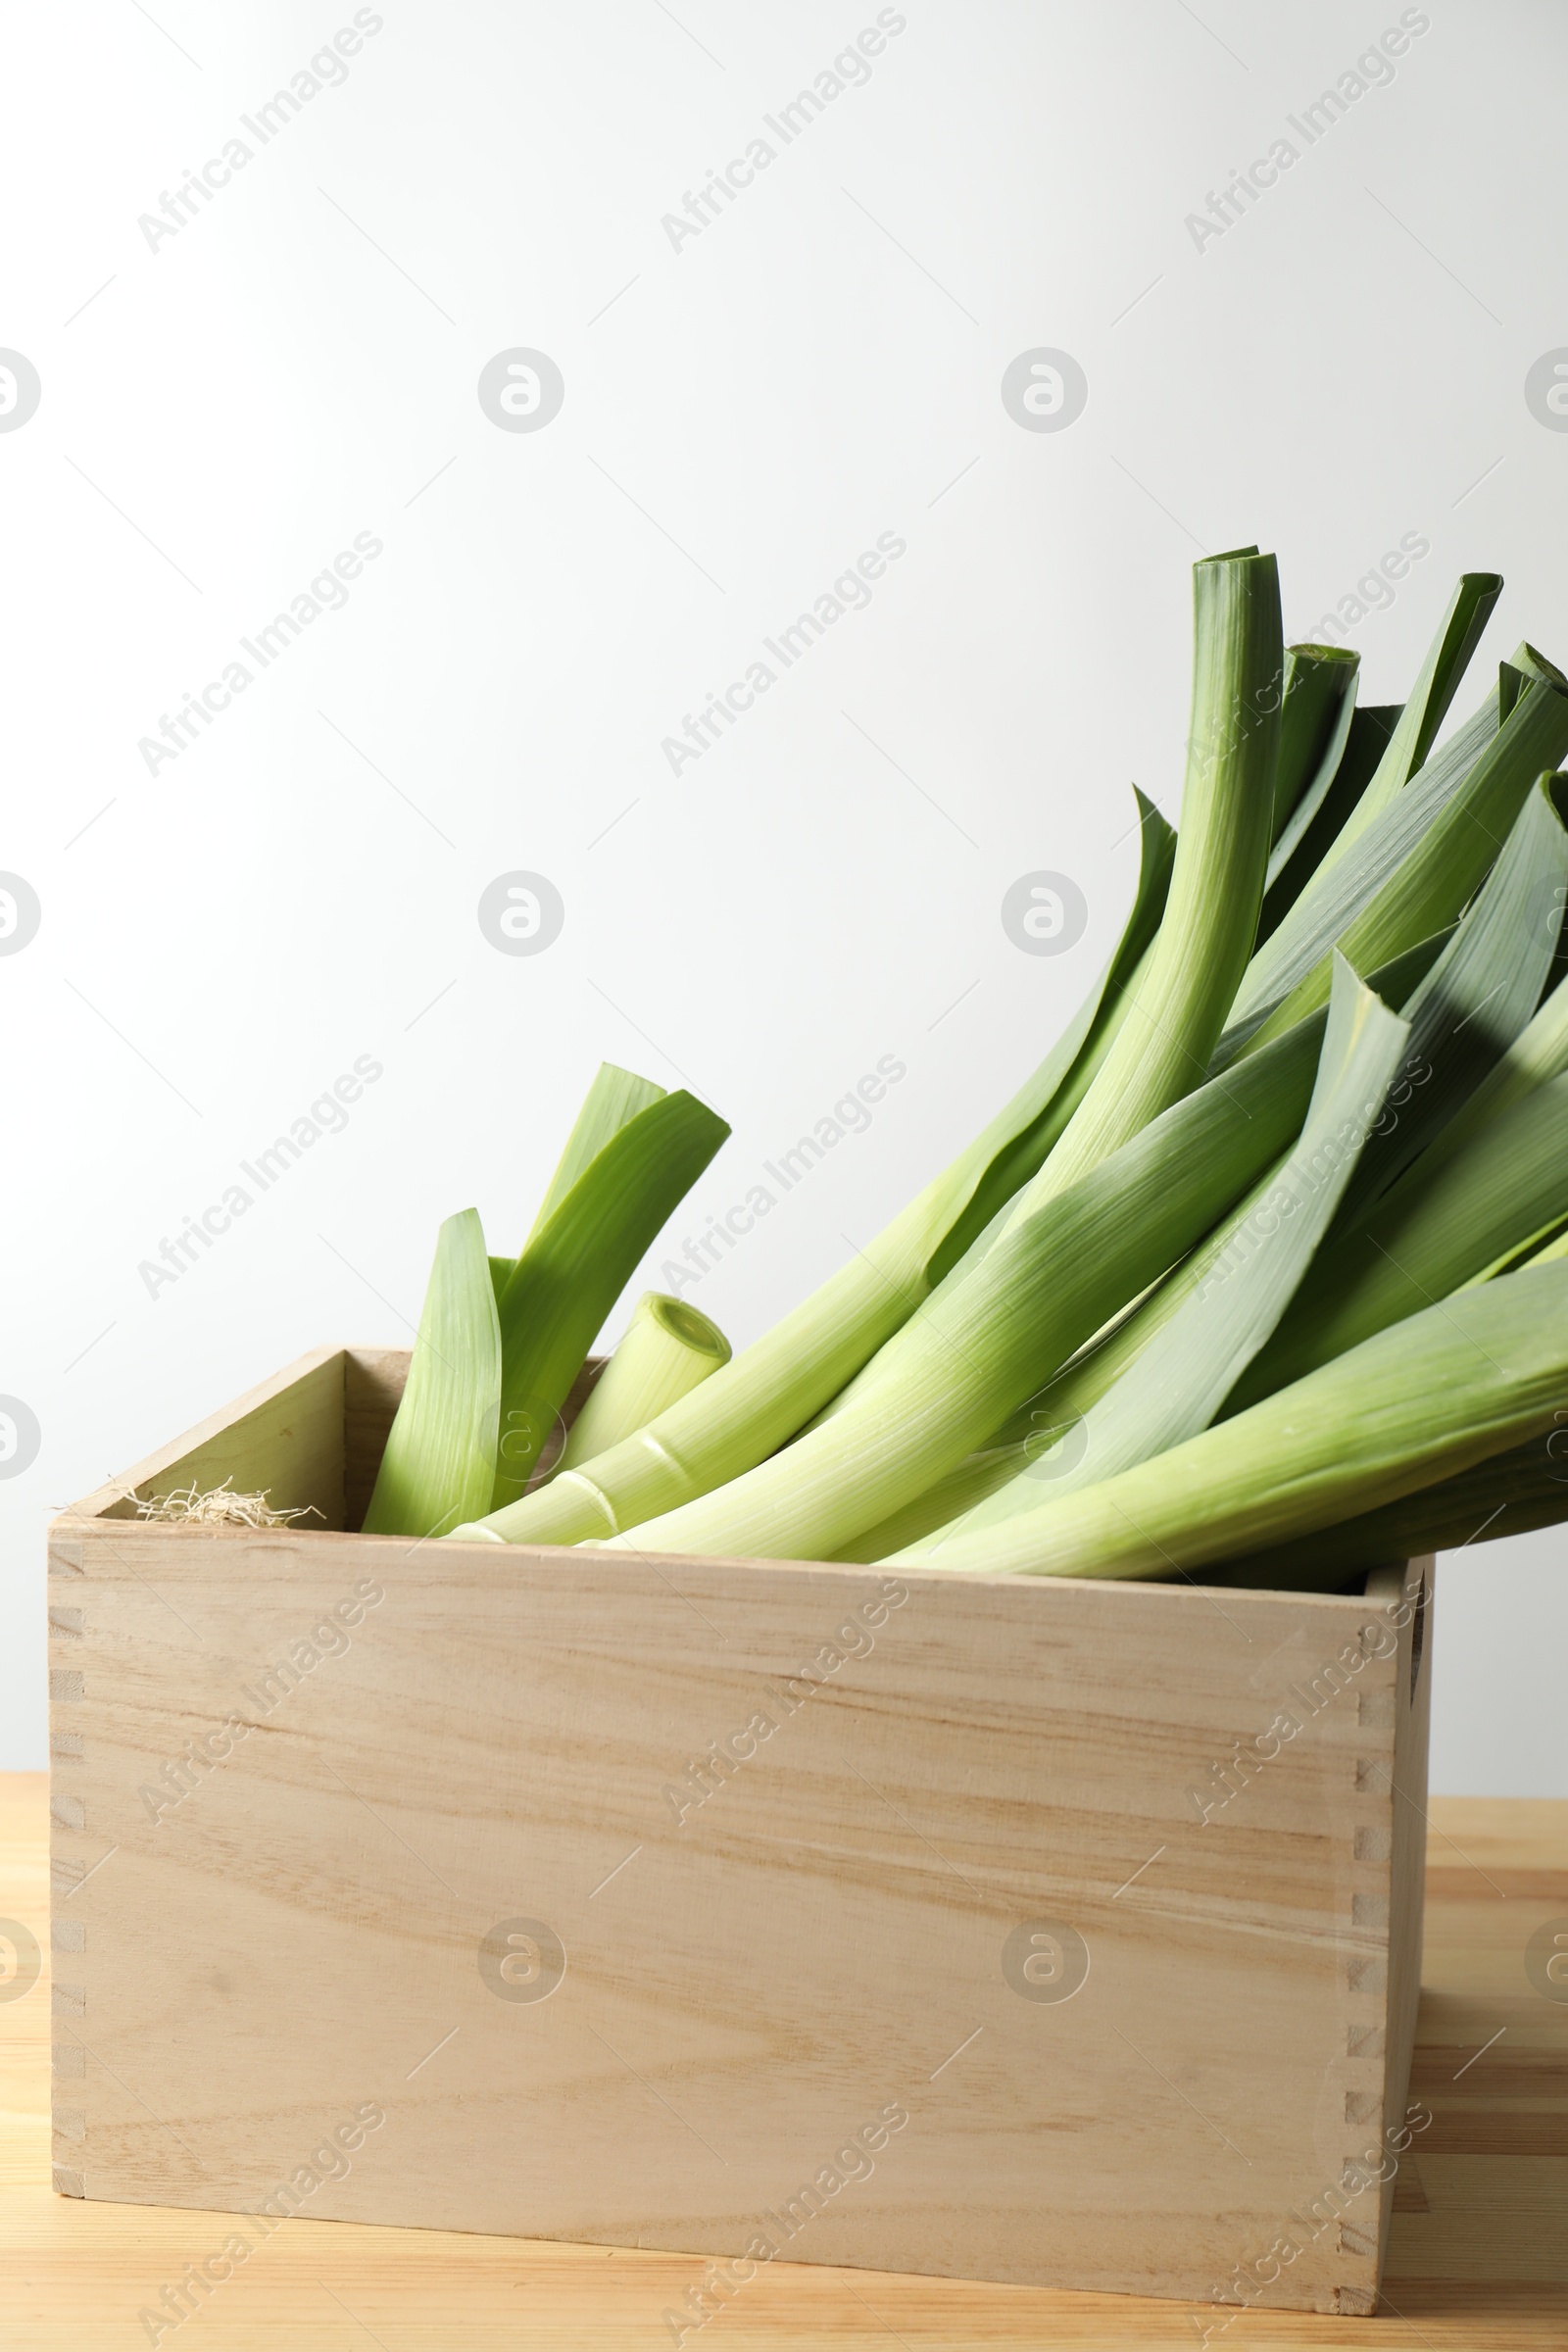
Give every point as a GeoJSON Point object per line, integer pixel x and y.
{"type": "Point", "coordinates": [1477, 2263]}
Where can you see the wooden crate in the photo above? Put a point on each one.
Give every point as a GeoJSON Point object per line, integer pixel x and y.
{"type": "Point", "coordinates": [1063, 1933]}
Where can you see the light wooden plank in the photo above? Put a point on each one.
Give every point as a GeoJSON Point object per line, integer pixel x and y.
{"type": "Point", "coordinates": [77, 2271]}
{"type": "Point", "coordinates": [753, 1977]}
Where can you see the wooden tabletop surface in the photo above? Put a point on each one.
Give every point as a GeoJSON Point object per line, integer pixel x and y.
{"type": "Point", "coordinates": [1479, 2260]}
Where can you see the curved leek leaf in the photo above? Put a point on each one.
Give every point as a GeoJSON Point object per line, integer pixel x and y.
{"type": "Point", "coordinates": [1447, 662]}
{"type": "Point", "coordinates": [1314, 725]}
{"type": "Point", "coordinates": [1424, 1401]}
{"type": "Point", "coordinates": [1180, 1380]}
{"type": "Point", "coordinates": [1424, 1239]}
{"type": "Point", "coordinates": [1450, 859]}
{"type": "Point", "coordinates": [1507, 1494]}
{"type": "Point", "coordinates": [1479, 995]}
{"type": "Point", "coordinates": [1539, 1053]}
{"type": "Point", "coordinates": [1061, 1405]}
{"type": "Point", "coordinates": [440, 1458]}
{"type": "Point", "coordinates": [1320, 816]}
{"type": "Point", "coordinates": [579, 1260]}
{"type": "Point", "coordinates": [612, 1101]}
{"type": "Point", "coordinates": [1333, 896]}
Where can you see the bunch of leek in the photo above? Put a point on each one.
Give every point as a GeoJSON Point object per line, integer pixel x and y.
{"type": "Point", "coordinates": [1262, 1267]}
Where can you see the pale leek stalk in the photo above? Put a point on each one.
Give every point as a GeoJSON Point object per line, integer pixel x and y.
{"type": "Point", "coordinates": [667, 1349]}
{"type": "Point", "coordinates": [1424, 1401]}
{"type": "Point", "coordinates": [1179, 1380]}
{"type": "Point", "coordinates": [993, 1332]}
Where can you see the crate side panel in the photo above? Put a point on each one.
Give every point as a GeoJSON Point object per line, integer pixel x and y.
{"type": "Point", "coordinates": [934, 1919]}
{"type": "Point", "coordinates": [372, 1388]}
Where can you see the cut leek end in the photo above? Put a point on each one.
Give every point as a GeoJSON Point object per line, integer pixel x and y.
{"type": "Point", "coordinates": [668, 1349]}
{"type": "Point", "coordinates": [688, 1326]}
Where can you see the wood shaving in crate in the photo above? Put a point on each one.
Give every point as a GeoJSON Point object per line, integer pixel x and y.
{"type": "Point", "coordinates": [218, 1506]}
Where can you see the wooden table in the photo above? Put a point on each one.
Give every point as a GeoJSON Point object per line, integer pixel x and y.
{"type": "Point", "coordinates": [1479, 2256]}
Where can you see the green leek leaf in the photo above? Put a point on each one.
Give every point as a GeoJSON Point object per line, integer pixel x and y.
{"type": "Point", "coordinates": [1539, 1053]}
{"type": "Point", "coordinates": [1452, 856]}
{"type": "Point", "coordinates": [1335, 896]}
{"type": "Point", "coordinates": [1447, 662]}
{"type": "Point", "coordinates": [1320, 815]}
{"type": "Point", "coordinates": [581, 1257]}
{"type": "Point", "coordinates": [612, 1101]}
{"type": "Point", "coordinates": [1426, 1400]}
{"type": "Point", "coordinates": [1314, 725]}
{"type": "Point", "coordinates": [1064, 1400]}
{"type": "Point", "coordinates": [1479, 995]}
{"type": "Point", "coordinates": [1181, 1378]}
{"type": "Point", "coordinates": [1507, 1494]}
{"type": "Point", "coordinates": [1178, 1009]}
{"type": "Point", "coordinates": [440, 1458]}
{"type": "Point", "coordinates": [1429, 1235]}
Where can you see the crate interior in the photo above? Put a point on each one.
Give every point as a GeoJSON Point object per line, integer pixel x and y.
{"type": "Point", "coordinates": [315, 1444]}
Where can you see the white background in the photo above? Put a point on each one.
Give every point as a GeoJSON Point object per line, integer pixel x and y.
{"type": "Point", "coordinates": [743, 416]}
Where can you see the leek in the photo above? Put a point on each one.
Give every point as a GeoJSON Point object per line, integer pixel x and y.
{"type": "Point", "coordinates": [1479, 995]}
{"type": "Point", "coordinates": [1179, 1379]}
{"type": "Point", "coordinates": [1277, 1234]}
{"type": "Point", "coordinates": [667, 1349]}
{"type": "Point", "coordinates": [1217, 888]}
{"type": "Point", "coordinates": [1333, 897]}
{"type": "Point", "coordinates": [1320, 815]}
{"type": "Point", "coordinates": [440, 1458]}
{"type": "Point", "coordinates": [1039, 1425]}
{"type": "Point", "coordinates": [1426, 1400]}
{"type": "Point", "coordinates": [616, 1098]}
{"type": "Point", "coordinates": [1447, 662]}
{"type": "Point", "coordinates": [1315, 715]}
{"type": "Point", "coordinates": [622, 1180]}
{"type": "Point", "coordinates": [1540, 1052]}
{"type": "Point", "coordinates": [1427, 1237]}
{"type": "Point", "coordinates": [1453, 858]}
